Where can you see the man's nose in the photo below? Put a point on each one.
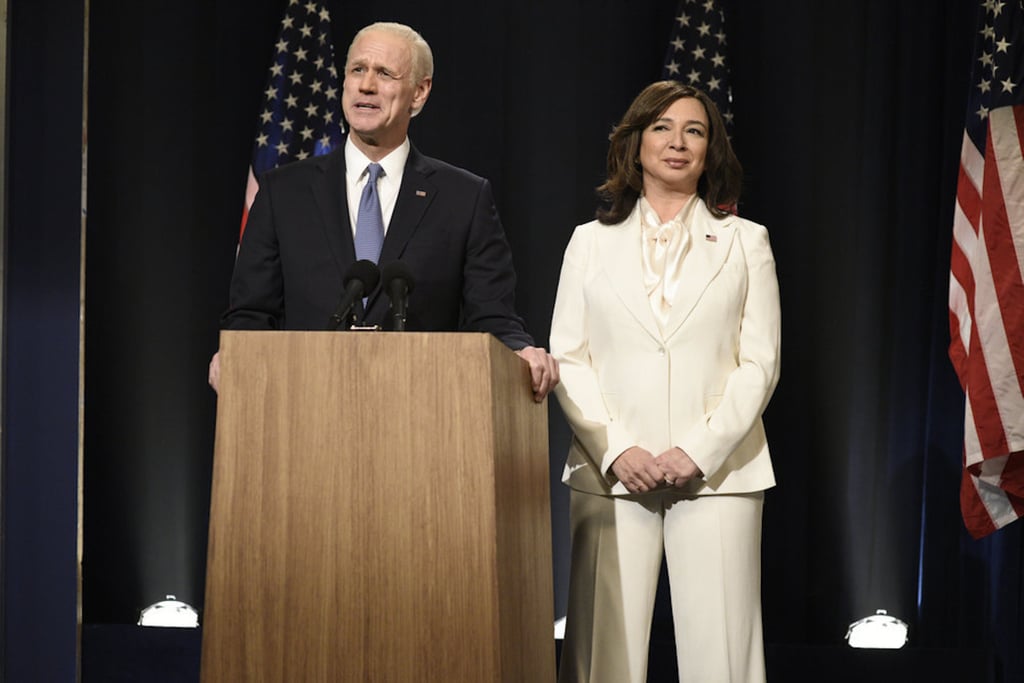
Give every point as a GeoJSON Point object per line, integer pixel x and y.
{"type": "Point", "coordinates": [367, 82]}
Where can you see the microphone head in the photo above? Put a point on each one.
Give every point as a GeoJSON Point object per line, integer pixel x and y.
{"type": "Point", "coordinates": [366, 272]}
{"type": "Point", "coordinates": [397, 270]}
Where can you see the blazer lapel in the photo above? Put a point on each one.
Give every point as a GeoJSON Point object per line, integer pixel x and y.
{"type": "Point", "coordinates": [331, 197]}
{"type": "Point", "coordinates": [416, 193]}
{"type": "Point", "coordinates": [621, 260]}
{"type": "Point", "coordinates": [710, 240]}
{"type": "Point", "coordinates": [414, 196]}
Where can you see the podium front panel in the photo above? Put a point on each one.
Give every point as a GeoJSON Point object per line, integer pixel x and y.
{"type": "Point", "coordinates": [380, 512]}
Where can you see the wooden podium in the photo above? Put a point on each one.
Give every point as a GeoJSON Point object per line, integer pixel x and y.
{"type": "Point", "coordinates": [380, 512]}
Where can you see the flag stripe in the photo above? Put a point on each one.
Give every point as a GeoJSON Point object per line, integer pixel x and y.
{"type": "Point", "coordinates": [986, 419]}
{"type": "Point", "coordinates": [972, 164]}
{"type": "Point", "coordinates": [969, 200]}
{"type": "Point", "coordinates": [977, 518]}
{"type": "Point", "coordinates": [962, 285]}
{"type": "Point", "coordinates": [1013, 480]}
{"type": "Point", "coordinates": [251, 186]}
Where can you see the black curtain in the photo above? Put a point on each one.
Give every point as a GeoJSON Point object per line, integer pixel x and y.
{"type": "Point", "coordinates": [848, 121]}
{"type": "Point", "coordinates": [41, 252]}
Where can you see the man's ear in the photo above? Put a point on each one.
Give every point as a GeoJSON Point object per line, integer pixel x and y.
{"type": "Point", "coordinates": [421, 94]}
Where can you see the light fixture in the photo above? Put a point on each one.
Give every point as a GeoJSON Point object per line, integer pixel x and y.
{"type": "Point", "coordinates": [171, 613]}
{"type": "Point", "coordinates": [560, 629]}
{"type": "Point", "coordinates": [878, 631]}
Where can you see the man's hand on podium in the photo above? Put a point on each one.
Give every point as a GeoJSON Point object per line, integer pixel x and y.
{"type": "Point", "coordinates": [543, 370]}
{"type": "Point", "coordinates": [214, 376]}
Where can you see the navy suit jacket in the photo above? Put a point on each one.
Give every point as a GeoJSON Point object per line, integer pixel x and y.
{"type": "Point", "coordinates": [298, 246]}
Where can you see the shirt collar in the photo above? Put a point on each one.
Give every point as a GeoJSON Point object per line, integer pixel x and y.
{"type": "Point", "coordinates": [393, 164]}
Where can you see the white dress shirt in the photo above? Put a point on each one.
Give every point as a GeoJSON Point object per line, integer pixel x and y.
{"type": "Point", "coordinates": [387, 186]}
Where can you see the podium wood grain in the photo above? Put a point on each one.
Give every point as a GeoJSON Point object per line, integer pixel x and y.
{"type": "Point", "coordinates": [380, 512]}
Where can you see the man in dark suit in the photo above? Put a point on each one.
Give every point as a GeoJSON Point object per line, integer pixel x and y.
{"type": "Point", "coordinates": [439, 221]}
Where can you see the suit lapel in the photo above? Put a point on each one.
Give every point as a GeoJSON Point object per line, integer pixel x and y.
{"type": "Point", "coordinates": [416, 193]}
{"type": "Point", "coordinates": [414, 196]}
{"type": "Point", "coordinates": [710, 240]}
{"type": "Point", "coordinates": [331, 197]}
{"type": "Point", "coordinates": [621, 259]}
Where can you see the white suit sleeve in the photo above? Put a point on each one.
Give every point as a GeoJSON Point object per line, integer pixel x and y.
{"type": "Point", "coordinates": [579, 391]}
{"type": "Point", "coordinates": [750, 386]}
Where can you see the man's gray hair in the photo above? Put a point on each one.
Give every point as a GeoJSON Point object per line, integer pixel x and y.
{"type": "Point", "coordinates": [422, 57]}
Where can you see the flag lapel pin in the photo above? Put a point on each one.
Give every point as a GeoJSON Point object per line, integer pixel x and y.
{"type": "Point", "coordinates": [421, 193]}
{"type": "Point", "coordinates": [711, 238]}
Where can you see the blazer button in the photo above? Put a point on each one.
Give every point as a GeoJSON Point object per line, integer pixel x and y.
{"type": "Point", "coordinates": [661, 350]}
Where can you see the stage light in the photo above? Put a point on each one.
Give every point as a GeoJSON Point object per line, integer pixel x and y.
{"type": "Point", "coordinates": [170, 613]}
{"type": "Point", "coordinates": [560, 629]}
{"type": "Point", "coordinates": [878, 631]}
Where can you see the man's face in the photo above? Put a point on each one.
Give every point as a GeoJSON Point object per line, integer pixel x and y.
{"type": "Point", "coordinates": [379, 95]}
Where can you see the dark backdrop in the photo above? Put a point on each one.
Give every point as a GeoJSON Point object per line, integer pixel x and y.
{"type": "Point", "coordinates": [40, 367]}
{"type": "Point", "coordinates": [848, 119]}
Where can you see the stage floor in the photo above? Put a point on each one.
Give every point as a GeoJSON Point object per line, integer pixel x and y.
{"type": "Point", "coordinates": [120, 653]}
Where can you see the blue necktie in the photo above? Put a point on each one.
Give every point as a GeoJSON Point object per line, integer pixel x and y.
{"type": "Point", "coordinates": [369, 222]}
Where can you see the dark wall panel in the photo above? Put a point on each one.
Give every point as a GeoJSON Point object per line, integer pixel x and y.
{"type": "Point", "coordinates": [172, 95]}
{"type": "Point", "coordinates": [41, 345]}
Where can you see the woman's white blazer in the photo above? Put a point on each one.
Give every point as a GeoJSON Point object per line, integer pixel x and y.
{"type": "Point", "coordinates": [701, 385]}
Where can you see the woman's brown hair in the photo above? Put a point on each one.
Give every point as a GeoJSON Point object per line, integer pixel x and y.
{"type": "Point", "coordinates": [719, 185]}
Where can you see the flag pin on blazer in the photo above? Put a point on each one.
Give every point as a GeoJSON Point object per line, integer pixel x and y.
{"type": "Point", "coordinates": [711, 238]}
{"type": "Point", "coordinates": [421, 193]}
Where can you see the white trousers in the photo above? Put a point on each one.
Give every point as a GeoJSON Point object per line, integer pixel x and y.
{"type": "Point", "coordinates": [712, 547]}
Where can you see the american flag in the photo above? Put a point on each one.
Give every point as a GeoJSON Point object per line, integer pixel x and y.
{"type": "Point", "coordinates": [986, 290]}
{"type": "Point", "coordinates": [696, 53]}
{"type": "Point", "coordinates": [301, 112]}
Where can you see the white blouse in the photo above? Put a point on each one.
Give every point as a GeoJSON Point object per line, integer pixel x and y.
{"type": "Point", "coordinates": [664, 248]}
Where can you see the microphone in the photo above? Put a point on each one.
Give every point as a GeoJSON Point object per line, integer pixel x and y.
{"type": "Point", "coordinates": [398, 283]}
{"type": "Point", "coordinates": [362, 277]}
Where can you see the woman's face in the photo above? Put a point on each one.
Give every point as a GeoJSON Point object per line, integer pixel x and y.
{"type": "Point", "coordinates": [673, 147]}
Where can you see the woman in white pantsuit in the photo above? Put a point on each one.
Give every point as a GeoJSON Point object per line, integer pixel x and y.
{"type": "Point", "coordinates": [666, 327]}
